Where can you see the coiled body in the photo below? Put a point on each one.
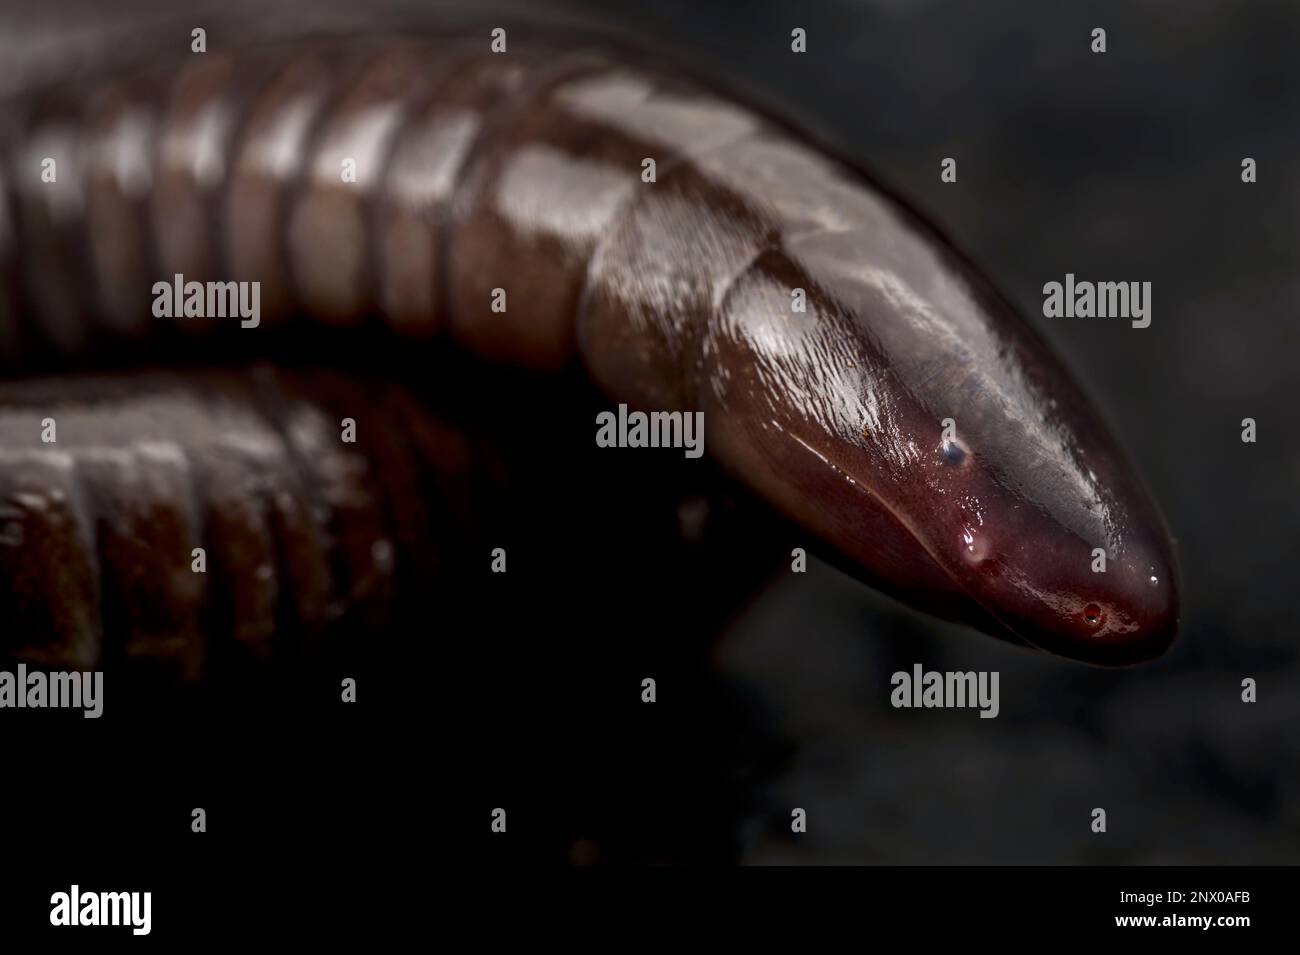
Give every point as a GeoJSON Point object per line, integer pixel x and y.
{"type": "Point", "coordinates": [546, 208]}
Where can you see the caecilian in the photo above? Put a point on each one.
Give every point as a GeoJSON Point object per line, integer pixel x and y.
{"type": "Point", "coordinates": [686, 251]}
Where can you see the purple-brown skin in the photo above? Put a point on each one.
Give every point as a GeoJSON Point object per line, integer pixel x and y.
{"type": "Point", "coordinates": [523, 171]}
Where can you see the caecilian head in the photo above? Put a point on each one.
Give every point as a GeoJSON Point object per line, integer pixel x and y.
{"type": "Point", "coordinates": [1048, 532]}
{"type": "Point", "coordinates": [909, 418]}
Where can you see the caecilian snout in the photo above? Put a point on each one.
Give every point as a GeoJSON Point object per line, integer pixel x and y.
{"type": "Point", "coordinates": [1111, 602]}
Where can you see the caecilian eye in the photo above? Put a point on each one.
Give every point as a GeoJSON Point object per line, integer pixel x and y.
{"type": "Point", "coordinates": [953, 453]}
{"type": "Point", "coordinates": [1093, 615]}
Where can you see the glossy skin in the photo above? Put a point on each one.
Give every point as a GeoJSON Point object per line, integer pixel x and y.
{"type": "Point", "coordinates": [302, 533]}
{"type": "Point", "coordinates": [523, 172]}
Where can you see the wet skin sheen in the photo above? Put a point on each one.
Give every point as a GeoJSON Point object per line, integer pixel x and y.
{"type": "Point", "coordinates": [524, 172]}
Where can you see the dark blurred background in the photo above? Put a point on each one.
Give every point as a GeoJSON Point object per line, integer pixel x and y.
{"type": "Point", "coordinates": [1122, 166]}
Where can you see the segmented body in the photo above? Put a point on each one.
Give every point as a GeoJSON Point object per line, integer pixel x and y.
{"type": "Point", "coordinates": [229, 167]}
{"type": "Point", "coordinates": [542, 208]}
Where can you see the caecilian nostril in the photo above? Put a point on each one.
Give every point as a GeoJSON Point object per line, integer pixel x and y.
{"type": "Point", "coordinates": [1093, 615]}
